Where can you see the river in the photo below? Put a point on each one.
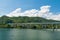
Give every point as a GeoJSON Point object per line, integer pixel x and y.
{"type": "Point", "coordinates": [29, 34]}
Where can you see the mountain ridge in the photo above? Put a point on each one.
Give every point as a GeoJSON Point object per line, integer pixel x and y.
{"type": "Point", "coordinates": [25, 19]}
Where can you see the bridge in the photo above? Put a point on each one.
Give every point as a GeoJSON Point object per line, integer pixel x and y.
{"type": "Point", "coordinates": [54, 25]}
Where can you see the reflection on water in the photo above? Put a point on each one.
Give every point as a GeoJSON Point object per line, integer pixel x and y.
{"type": "Point", "coordinates": [29, 34]}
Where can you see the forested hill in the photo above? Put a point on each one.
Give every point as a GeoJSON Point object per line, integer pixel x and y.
{"type": "Point", "coordinates": [5, 20]}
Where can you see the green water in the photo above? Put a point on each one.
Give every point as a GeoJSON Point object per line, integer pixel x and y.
{"type": "Point", "coordinates": [29, 34]}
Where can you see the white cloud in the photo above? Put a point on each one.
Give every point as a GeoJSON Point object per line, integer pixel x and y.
{"type": "Point", "coordinates": [17, 12]}
{"type": "Point", "coordinates": [43, 12]}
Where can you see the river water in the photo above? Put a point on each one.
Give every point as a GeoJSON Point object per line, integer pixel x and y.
{"type": "Point", "coordinates": [29, 34]}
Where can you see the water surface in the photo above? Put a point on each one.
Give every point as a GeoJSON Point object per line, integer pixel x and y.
{"type": "Point", "coordinates": [29, 34]}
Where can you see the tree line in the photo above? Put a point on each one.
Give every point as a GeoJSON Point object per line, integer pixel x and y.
{"type": "Point", "coordinates": [4, 20]}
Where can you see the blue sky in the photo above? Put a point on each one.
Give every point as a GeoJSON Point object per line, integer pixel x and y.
{"type": "Point", "coordinates": [6, 6]}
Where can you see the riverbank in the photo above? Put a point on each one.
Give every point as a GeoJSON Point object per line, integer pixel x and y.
{"type": "Point", "coordinates": [30, 26]}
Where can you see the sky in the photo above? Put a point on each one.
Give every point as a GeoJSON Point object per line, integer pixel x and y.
{"type": "Point", "coordinates": [42, 8]}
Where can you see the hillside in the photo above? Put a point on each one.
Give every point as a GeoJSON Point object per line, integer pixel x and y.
{"type": "Point", "coordinates": [5, 20]}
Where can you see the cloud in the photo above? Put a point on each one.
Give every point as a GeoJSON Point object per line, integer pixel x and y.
{"type": "Point", "coordinates": [17, 12]}
{"type": "Point", "coordinates": [44, 11]}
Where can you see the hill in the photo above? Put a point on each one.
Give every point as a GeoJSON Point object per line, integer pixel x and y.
{"type": "Point", "coordinates": [5, 20]}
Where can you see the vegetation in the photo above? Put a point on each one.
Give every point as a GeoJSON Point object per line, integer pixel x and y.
{"type": "Point", "coordinates": [4, 20]}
